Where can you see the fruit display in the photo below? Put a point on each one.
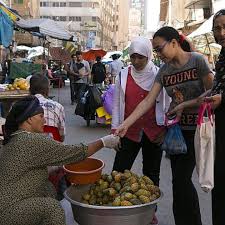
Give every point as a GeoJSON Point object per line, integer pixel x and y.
{"type": "Point", "coordinates": [121, 189]}
{"type": "Point", "coordinates": [18, 84]}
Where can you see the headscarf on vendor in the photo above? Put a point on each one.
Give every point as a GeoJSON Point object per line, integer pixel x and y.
{"type": "Point", "coordinates": [21, 111]}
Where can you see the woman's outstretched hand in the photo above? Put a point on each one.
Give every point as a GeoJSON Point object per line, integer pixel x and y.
{"type": "Point", "coordinates": [177, 110]}
{"type": "Point", "coordinates": [121, 130]}
{"type": "Point", "coordinates": [215, 100]}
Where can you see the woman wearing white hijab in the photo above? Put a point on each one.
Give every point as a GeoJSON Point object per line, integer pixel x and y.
{"type": "Point", "coordinates": [131, 87]}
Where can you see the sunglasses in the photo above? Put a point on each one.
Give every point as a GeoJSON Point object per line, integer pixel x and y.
{"type": "Point", "coordinates": [160, 48]}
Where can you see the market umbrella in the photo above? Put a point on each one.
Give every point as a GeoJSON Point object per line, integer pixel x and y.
{"type": "Point", "coordinates": [203, 39]}
{"type": "Point", "coordinates": [37, 51]}
{"type": "Point", "coordinates": [22, 48]}
{"type": "Point", "coordinates": [92, 53]}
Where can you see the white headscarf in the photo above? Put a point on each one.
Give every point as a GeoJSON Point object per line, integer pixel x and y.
{"type": "Point", "coordinates": [143, 78]}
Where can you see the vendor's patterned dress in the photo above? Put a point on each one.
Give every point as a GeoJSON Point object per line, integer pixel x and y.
{"type": "Point", "coordinates": [26, 195]}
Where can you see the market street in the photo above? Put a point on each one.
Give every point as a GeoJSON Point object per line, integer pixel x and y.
{"type": "Point", "coordinates": [78, 132]}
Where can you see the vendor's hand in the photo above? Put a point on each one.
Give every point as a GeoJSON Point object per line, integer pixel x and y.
{"type": "Point", "coordinates": [110, 141]}
{"type": "Point", "coordinates": [215, 100]}
{"type": "Point", "coordinates": [121, 130]}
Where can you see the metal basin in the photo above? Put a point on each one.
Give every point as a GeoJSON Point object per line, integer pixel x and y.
{"type": "Point", "coordinates": [101, 215]}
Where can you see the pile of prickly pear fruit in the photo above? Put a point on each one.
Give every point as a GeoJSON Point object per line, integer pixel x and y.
{"type": "Point", "coordinates": [121, 189]}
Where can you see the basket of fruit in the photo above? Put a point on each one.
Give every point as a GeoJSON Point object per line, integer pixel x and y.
{"type": "Point", "coordinates": [19, 87]}
{"type": "Point", "coordinates": [115, 199]}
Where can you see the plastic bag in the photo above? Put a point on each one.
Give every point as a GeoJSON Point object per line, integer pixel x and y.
{"type": "Point", "coordinates": [107, 99]}
{"type": "Point", "coordinates": [95, 95]}
{"type": "Point", "coordinates": [205, 147]}
{"type": "Point", "coordinates": [174, 142]}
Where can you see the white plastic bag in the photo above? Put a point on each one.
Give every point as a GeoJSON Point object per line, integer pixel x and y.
{"type": "Point", "coordinates": [205, 147]}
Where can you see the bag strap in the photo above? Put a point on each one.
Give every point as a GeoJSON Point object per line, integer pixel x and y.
{"type": "Point", "coordinates": [169, 122]}
{"type": "Point", "coordinates": [205, 108]}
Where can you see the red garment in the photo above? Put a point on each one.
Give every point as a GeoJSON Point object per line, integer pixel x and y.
{"type": "Point", "coordinates": [147, 123]}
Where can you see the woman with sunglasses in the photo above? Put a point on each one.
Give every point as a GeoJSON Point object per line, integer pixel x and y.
{"type": "Point", "coordinates": [26, 195]}
{"type": "Point", "coordinates": [185, 76]}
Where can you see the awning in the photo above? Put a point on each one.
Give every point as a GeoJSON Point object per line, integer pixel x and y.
{"type": "Point", "coordinates": [206, 27]}
{"type": "Point", "coordinates": [197, 4]}
{"type": "Point", "coordinates": [203, 38]}
{"type": "Point", "coordinates": [45, 27]}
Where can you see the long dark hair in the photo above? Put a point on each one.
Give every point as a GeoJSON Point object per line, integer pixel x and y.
{"type": "Point", "coordinates": [20, 112]}
{"type": "Point", "coordinates": [169, 33]}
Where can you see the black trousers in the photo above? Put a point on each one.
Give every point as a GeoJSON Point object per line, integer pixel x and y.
{"type": "Point", "coordinates": [218, 192]}
{"type": "Point", "coordinates": [72, 90]}
{"type": "Point", "coordinates": [77, 88]}
{"type": "Point", "coordinates": [151, 153]}
{"type": "Point", "coordinates": [185, 198]}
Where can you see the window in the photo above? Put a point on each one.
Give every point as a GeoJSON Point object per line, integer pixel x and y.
{"type": "Point", "coordinates": [62, 4]}
{"type": "Point", "coordinates": [40, 4]}
{"type": "Point", "coordinates": [87, 4]}
{"type": "Point", "coordinates": [18, 1]}
{"type": "Point", "coordinates": [55, 4]}
{"type": "Point", "coordinates": [45, 4]}
{"type": "Point", "coordinates": [62, 18]}
{"type": "Point", "coordinates": [94, 18]}
{"type": "Point", "coordinates": [75, 4]}
{"type": "Point", "coordinates": [74, 18]}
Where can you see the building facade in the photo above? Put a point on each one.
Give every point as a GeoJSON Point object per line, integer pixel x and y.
{"type": "Point", "coordinates": [96, 23]}
{"type": "Point", "coordinates": [186, 15]}
{"type": "Point", "coordinates": [26, 9]}
{"type": "Point", "coordinates": [82, 18]}
{"type": "Point", "coordinates": [121, 24]}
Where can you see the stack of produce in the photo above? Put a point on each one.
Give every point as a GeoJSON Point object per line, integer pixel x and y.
{"type": "Point", "coordinates": [121, 189]}
{"type": "Point", "coordinates": [18, 84]}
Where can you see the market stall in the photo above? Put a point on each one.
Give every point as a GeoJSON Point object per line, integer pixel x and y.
{"type": "Point", "coordinates": [10, 93]}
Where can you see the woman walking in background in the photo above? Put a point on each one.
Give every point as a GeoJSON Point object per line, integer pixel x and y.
{"type": "Point", "coordinates": [185, 76]}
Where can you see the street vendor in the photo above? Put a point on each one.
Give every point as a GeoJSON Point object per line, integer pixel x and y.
{"type": "Point", "coordinates": [26, 195]}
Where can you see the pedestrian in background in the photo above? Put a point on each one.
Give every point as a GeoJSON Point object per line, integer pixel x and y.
{"type": "Point", "coordinates": [115, 67]}
{"type": "Point", "coordinates": [73, 75]}
{"type": "Point", "coordinates": [98, 73]}
{"type": "Point", "coordinates": [132, 86]}
{"type": "Point", "coordinates": [86, 74]}
{"type": "Point", "coordinates": [185, 76]}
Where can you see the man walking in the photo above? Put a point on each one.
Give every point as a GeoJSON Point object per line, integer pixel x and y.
{"type": "Point", "coordinates": [98, 72]}
{"type": "Point", "coordinates": [115, 67]}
